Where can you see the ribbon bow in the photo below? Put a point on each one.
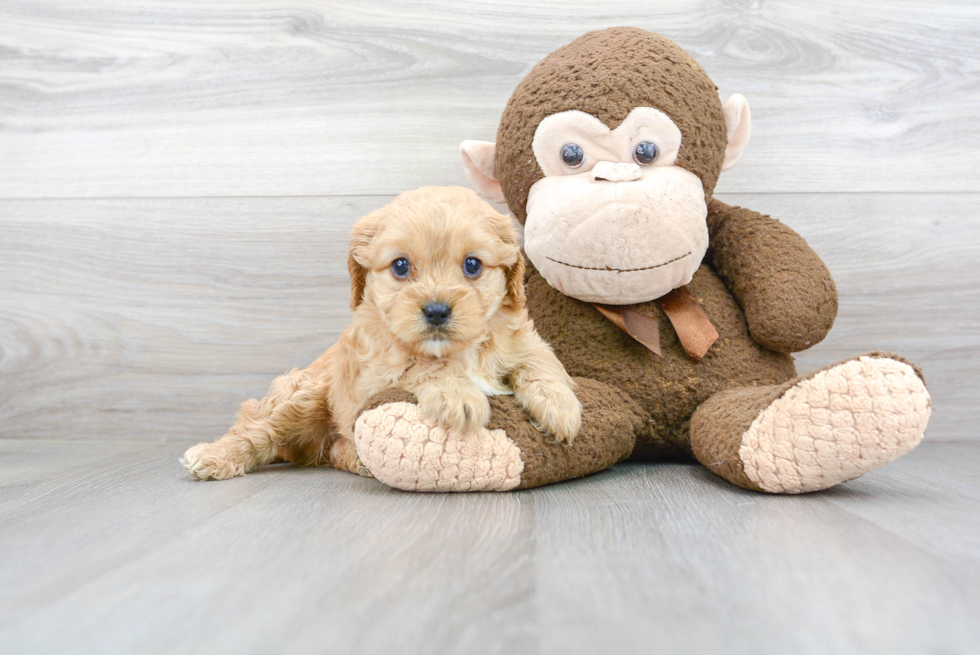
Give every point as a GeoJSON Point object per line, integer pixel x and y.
{"type": "Point", "coordinates": [694, 329]}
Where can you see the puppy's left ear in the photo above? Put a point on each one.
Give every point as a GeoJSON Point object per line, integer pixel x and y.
{"type": "Point", "coordinates": [360, 237]}
{"type": "Point", "coordinates": [515, 284]}
{"type": "Point", "coordinates": [504, 227]}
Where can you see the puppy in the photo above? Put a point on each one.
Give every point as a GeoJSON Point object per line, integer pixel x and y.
{"type": "Point", "coordinates": [437, 292]}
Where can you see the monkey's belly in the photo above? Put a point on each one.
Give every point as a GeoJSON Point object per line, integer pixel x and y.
{"type": "Point", "coordinates": [667, 388]}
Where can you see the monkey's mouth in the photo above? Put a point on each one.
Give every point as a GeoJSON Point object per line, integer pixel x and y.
{"type": "Point", "coordinates": [621, 270]}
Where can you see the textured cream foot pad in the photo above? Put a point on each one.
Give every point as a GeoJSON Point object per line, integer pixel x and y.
{"type": "Point", "coordinates": [836, 425]}
{"type": "Point", "coordinates": [405, 450]}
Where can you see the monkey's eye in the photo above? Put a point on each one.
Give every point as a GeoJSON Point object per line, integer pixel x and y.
{"type": "Point", "coordinates": [472, 267]}
{"type": "Point", "coordinates": [400, 268]}
{"type": "Point", "coordinates": [645, 153]}
{"type": "Point", "coordinates": [572, 154]}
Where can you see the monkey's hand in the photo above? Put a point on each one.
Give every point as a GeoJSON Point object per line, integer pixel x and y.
{"type": "Point", "coordinates": [784, 288]}
{"type": "Point", "coordinates": [454, 403]}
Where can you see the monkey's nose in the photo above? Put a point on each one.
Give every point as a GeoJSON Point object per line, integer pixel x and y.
{"type": "Point", "coordinates": [607, 171]}
{"type": "Point", "coordinates": [436, 313]}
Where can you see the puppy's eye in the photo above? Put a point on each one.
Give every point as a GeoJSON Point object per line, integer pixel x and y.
{"type": "Point", "coordinates": [572, 154]}
{"type": "Point", "coordinates": [645, 153]}
{"type": "Point", "coordinates": [400, 268]}
{"type": "Point", "coordinates": [472, 267]}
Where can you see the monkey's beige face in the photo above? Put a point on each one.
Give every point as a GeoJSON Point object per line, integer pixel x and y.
{"type": "Point", "coordinates": [437, 267]}
{"type": "Point", "coordinates": [614, 220]}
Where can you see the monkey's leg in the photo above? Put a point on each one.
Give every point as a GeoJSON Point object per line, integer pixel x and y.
{"type": "Point", "coordinates": [293, 414]}
{"type": "Point", "coordinates": [406, 451]}
{"type": "Point", "coordinates": [816, 430]}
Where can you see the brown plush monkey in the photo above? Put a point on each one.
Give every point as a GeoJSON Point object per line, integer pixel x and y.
{"type": "Point", "coordinates": [675, 312]}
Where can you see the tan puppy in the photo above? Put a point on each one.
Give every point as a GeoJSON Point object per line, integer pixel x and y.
{"type": "Point", "coordinates": [437, 289]}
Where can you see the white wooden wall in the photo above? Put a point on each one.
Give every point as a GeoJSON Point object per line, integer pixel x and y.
{"type": "Point", "coordinates": [177, 178]}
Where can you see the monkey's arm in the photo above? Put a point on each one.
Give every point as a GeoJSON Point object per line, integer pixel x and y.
{"type": "Point", "coordinates": [784, 288]}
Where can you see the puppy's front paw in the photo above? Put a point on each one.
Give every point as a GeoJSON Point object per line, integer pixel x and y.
{"type": "Point", "coordinates": [464, 409]}
{"type": "Point", "coordinates": [556, 411]}
{"type": "Point", "coordinates": [207, 461]}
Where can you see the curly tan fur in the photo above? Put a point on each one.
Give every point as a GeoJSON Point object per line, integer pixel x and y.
{"type": "Point", "coordinates": [487, 346]}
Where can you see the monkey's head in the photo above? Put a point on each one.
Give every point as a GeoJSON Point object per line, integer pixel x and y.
{"type": "Point", "coordinates": [608, 153]}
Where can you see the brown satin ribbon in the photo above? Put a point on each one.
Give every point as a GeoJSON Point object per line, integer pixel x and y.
{"type": "Point", "coordinates": [645, 329]}
{"type": "Point", "coordinates": [694, 329]}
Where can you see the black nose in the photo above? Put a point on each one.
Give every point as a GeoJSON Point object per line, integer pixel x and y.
{"type": "Point", "coordinates": [436, 313]}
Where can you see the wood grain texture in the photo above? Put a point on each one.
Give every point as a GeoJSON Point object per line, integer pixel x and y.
{"type": "Point", "coordinates": [298, 560]}
{"type": "Point", "coordinates": [114, 545]}
{"type": "Point", "coordinates": [176, 183]}
{"type": "Point", "coordinates": [795, 574]}
{"type": "Point", "coordinates": [128, 318]}
{"type": "Point", "coordinates": [149, 319]}
{"type": "Point", "coordinates": [264, 97]}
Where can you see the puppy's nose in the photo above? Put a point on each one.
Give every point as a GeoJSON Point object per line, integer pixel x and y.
{"type": "Point", "coordinates": [437, 313]}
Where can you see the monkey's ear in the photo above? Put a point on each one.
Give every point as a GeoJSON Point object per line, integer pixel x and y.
{"type": "Point", "coordinates": [478, 159]}
{"type": "Point", "coordinates": [738, 122]}
{"type": "Point", "coordinates": [360, 236]}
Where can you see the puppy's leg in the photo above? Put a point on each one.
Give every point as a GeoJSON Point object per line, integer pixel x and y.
{"type": "Point", "coordinates": [295, 409]}
{"type": "Point", "coordinates": [545, 390]}
{"type": "Point", "coordinates": [343, 456]}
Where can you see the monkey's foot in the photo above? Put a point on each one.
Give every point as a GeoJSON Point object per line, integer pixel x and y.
{"type": "Point", "coordinates": [405, 450]}
{"type": "Point", "coordinates": [816, 431]}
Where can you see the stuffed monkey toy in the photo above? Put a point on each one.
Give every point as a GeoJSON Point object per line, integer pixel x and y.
{"type": "Point", "coordinates": [675, 313]}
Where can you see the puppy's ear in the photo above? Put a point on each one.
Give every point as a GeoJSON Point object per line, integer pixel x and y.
{"type": "Point", "coordinates": [515, 284]}
{"type": "Point", "coordinates": [358, 277]}
{"type": "Point", "coordinates": [360, 237]}
{"type": "Point", "coordinates": [503, 226]}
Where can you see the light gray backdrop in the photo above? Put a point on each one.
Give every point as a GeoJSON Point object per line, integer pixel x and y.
{"type": "Point", "coordinates": [177, 178]}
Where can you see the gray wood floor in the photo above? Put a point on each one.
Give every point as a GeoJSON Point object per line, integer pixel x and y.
{"type": "Point", "coordinates": [176, 183]}
{"type": "Point", "coordinates": [108, 547]}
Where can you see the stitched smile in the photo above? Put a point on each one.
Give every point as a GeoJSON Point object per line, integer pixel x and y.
{"type": "Point", "coordinates": [620, 270]}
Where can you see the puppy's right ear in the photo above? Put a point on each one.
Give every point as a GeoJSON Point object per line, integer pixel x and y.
{"type": "Point", "coordinates": [360, 238]}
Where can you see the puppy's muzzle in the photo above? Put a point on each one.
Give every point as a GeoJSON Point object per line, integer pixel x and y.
{"type": "Point", "coordinates": [436, 313]}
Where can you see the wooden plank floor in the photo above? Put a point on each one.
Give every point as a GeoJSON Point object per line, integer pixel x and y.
{"type": "Point", "coordinates": [109, 547]}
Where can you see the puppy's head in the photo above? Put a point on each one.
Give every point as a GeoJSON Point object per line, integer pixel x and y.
{"type": "Point", "coordinates": [437, 264]}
